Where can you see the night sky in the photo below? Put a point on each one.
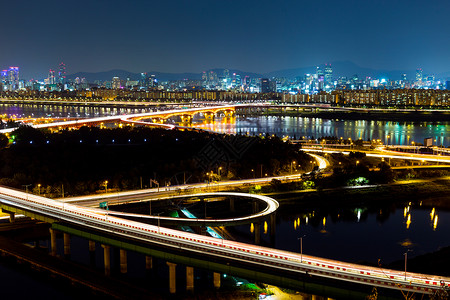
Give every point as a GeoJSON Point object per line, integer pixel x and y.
{"type": "Point", "coordinates": [251, 35]}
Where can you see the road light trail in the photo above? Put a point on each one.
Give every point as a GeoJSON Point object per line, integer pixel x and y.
{"type": "Point", "coordinates": [268, 258]}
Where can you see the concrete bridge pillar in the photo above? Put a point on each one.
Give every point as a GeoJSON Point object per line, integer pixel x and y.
{"type": "Point", "coordinates": [148, 263]}
{"type": "Point", "coordinates": [209, 116]}
{"type": "Point", "coordinates": [257, 233]}
{"type": "Point", "coordinates": [255, 207]}
{"type": "Point", "coordinates": [52, 242]}
{"type": "Point", "coordinates": [189, 279]}
{"type": "Point", "coordinates": [107, 259]}
{"type": "Point", "coordinates": [12, 217]}
{"type": "Point", "coordinates": [186, 119]}
{"type": "Point", "coordinates": [229, 113]}
{"type": "Point", "coordinates": [91, 246]}
{"type": "Point", "coordinates": [92, 252]}
{"type": "Point", "coordinates": [216, 279]}
{"type": "Point", "coordinates": [172, 277]}
{"type": "Point", "coordinates": [123, 261]}
{"type": "Point", "coordinates": [232, 205]}
{"type": "Point", "coordinates": [273, 224]}
{"type": "Point", "coordinates": [66, 244]}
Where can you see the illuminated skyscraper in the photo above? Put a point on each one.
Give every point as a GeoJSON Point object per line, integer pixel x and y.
{"type": "Point", "coordinates": [115, 83]}
{"type": "Point", "coordinates": [268, 86]}
{"type": "Point", "coordinates": [319, 72]}
{"type": "Point", "coordinates": [419, 74]}
{"type": "Point", "coordinates": [3, 78]}
{"type": "Point", "coordinates": [226, 73]}
{"type": "Point", "coordinates": [153, 82]}
{"type": "Point", "coordinates": [404, 77]}
{"type": "Point", "coordinates": [143, 81]}
{"type": "Point", "coordinates": [328, 74]}
{"type": "Point", "coordinates": [62, 73]}
{"type": "Point", "coordinates": [12, 78]}
{"type": "Point", "coordinates": [51, 77]}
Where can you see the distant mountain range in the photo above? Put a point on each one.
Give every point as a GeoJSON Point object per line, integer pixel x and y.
{"type": "Point", "coordinates": [340, 68]}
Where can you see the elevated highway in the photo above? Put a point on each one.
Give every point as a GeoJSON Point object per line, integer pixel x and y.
{"type": "Point", "coordinates": [277, 265]}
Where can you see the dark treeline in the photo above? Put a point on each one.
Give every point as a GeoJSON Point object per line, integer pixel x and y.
{"type": "Point", "coordinates": [80, 161]}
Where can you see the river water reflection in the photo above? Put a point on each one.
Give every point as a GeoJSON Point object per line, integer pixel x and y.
{"type": "Point", "coordinates": [360, 234]}
{"type": "Point", "coordinates": [389, 132]}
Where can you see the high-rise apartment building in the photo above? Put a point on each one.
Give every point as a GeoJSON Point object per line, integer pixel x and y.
{"type": "Point", "coordinates": [62, 73]}
{"type": "Point", "coordinates": [115, 83]}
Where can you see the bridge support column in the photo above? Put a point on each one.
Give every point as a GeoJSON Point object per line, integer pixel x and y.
{"type": "Point", "coordinates": [255, 207]}
{"type": "Point", "coordinates": [123, 261]}
{"type": "Point", "coordinates": [172, 277]}
{"type": "Point", "coordinates": [257, 233]}
{"type": "Point", "coordinates": [91, 246]}
{"type": "Point", "coordinates": [66, 245]}
{"type": "Point", "coordinates": [148, 263]}
{"type": "Point", "coordinates": [52, 242]}
{"type": "Point", "coordinates": [216, 280]}
{"type": "Point", "coordinates": [107, 259]}
{"type": "Point", "coordinates": [186, 119]}
{"type": "Point", "coordinates": [92, 252]}
{"type": "Point", "coordinates": [232, 204]}
{"type": "Point", "coordinates": [273, 224]}
{"type": "Point", "coordinates": [209, 117]}
{"type": "Point", "coordinates": [12, 217]}
{"type": "Point", "coordinates": [189, 279]}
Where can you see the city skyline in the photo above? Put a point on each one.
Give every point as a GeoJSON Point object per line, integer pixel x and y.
{"type": "Point", "coordinates": [255, 36]}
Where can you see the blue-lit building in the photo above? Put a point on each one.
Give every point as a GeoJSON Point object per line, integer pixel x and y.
{"type": "Point", "coordinates": [10, 79]}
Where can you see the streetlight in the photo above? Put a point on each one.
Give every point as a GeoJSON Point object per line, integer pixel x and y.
{"type": "Point", "coordinates": [301, 247]}
{"type": "Point", "coordinates": [26, 189]}
{"type": "Point", "coordinates": [39, 189]}
{"type": "Point", "coordinates": [293, 162]}
{"type": "Point", "coordinates": [406, 259]}
{"type": "Point", "coordinates": [159, 217]}
{"type": "Point", "coordinates": [106, 186]}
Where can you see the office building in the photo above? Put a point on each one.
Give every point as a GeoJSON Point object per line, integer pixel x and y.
{"type": "Point", "coordinates": [328, 74]}
{"type": "Point", "coordinates": [51, 77]}
{"type": "Point", "coordinates": [419, 75]}
{"type": "Point", "coordinates": [62, 74]}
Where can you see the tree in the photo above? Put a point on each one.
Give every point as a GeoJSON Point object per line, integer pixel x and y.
{"type": "Point", "coordinates": [4, 141]}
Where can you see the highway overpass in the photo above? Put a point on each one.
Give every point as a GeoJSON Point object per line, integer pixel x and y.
{"type": "Point", "coordinates": [263, 264]}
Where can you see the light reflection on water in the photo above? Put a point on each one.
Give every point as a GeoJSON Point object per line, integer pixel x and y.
{"type": "Point", "coordinates": [359, 235]}
{"type": "Point", "coordinates": [392, 133]}
{"type": "Point", "coordinates": [397, 133]}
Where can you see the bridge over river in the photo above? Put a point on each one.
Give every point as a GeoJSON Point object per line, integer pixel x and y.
{"type": "Point", "coordinates": [294, 270]}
